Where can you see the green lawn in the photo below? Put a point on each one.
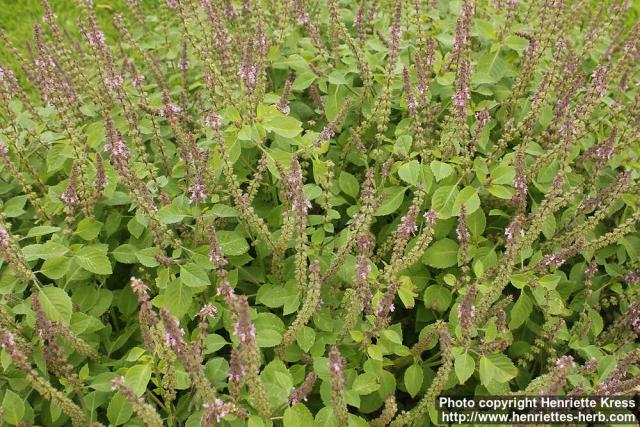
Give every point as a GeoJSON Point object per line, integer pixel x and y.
{"type": "Point", "coordinates": [17, 18]}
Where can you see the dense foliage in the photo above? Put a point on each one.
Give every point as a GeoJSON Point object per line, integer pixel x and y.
{"type": "Point", "coordinates": [305, 213]}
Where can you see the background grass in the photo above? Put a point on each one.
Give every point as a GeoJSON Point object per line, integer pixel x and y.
{"type": "Point", "coordinates": [17, 18]}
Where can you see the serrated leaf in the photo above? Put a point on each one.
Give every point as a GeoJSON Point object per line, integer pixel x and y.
{"type": "Point", "coordinates": [297, 416]}
{"type": "Point", "coordinates": [365, 384]}
{"type": "Point", "coordinates": [496, 367]}
{"type": "Point", "coordinates": [520, 311]}
{"type": "Point", "coordinates": [193, 276]}
{"type": "Point", "coordinates": [177, 298]}
{"type": "Point", "coordinates": [305, 338]}
{"type": "Point", "coordinates": [170, 214]}
{"type": "Point", "coordinates": [125, 254]}
{"type": "Point", "coordinates": [55, 268]}
{"type": "Point", "coordinates": [392, 198]}
{"type": "Point", "coordinates": [119, 410]}
{"type": "Point", "coordinates": [42, 230]}
{"type": "Point", "coordinates": [14, 207]}
{"type": "Point", "coordinates": [348, 184]}
{"type": "Point", "coordinates": [93, 260]}
{"type": "Point", "coordinates": [413, 378]}
{"type": "Point", "coordinates": [437, 297]}
{"type": "Point", "coordinates": [442, 254]}
{"type": "Point", "coordinates": [464, 366]}
{"type": "Point", "coordinates": [12, 407]}
{"type": "Point", "coordinates": [410, 172]}
{"type": "Point", "coordinates": [443, 200]}
{"type": "Point", "coordinates": [232, 243]}
{"type": "Point", "coordinates": [88, 228]}
{"type": "Point", "coordinates": [440, 170]}
{"type": "Point", "coordinates": [282, 125]}
{"type": "Point", "coordinates": [56, 304]}
{"type": "Point", "coordinates": [137, 377]}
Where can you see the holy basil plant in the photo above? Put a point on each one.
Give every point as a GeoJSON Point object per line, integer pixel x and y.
{"type": "Point", "coordinates": [298, 213]}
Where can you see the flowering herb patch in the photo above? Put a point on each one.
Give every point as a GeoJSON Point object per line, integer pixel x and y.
{"type": "Point", "coordinates": [304, 213]}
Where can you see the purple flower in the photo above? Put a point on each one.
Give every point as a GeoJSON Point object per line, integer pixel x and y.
{"type": "Point", "coordinates": [633, 277]}
{"type": "Point", "coordinates": [137, 80]}
{"type": "Point", "coordinates": [118, 149]}
{"type": "Point", "coordinates": [429, 217]}
{"type": "Point", "coordinates": [213, 120]}
{"type": "Point", "coordinates": [408, 225]}
{"type": "Point", "coordinates": [514, 229]}
{"type": "Point", "coordinates": [3, 149]}
{"type": "Point", "coordinates": [174, 340]}
{"type": "Point", "coordinates": [218, 410]}
{"type": "Point", "coordinates": [114, 82]}
{"type": "Point", "coordinates": [208, 310]}
{"type": "Point", "coordinates": [4, 238]}
{"type": "Point", "coordinates": [565, 362]}
{"type": "Point", "coordinates": [138, 286]}
{"type": "Point", "coordinates": [197, 192]}
{"type": "Point", "coordinates": [96, 38]}
{"type": "Point", "coordinates": [555, 259]}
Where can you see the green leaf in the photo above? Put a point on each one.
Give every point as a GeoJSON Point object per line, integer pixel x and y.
{"type": "Point", "coordinates": [520, 311]}
{"type": "Point", "coordinates": [374, 352]}
{"type": "Point", "coordinates": [468, 197]}
{"type": "Point", "coordinates": [193, 276]}
{"type": "Point", "coordinates": [12, 407]}
{"type": "Point", "coordinates": [137, 377]}
{"type": "Point", "coordinates": [147, 258]}
{"type": "Point", "coordinates": [443, 200]}
{"type": "Point", "coordinates": [45, 251]}
{"type": "Point", "coordinates": [334, 100]}
{"type": "Point", "coordinates": [42, 230]}
{"type": "Point", "coordinates": [517, 43]}
{"type": "Point", "coordinates": [268, 338]}
{"type": "Point", "coordinates": [297, 416]}
{"type": "Point", "coordinates": [232, 243]}
{"type": "Point", "coordinates": [88, 228]}
{"type": "Point", "coordinates": [93, 260]}
{"type": "Point", "coordinates": [440, 170]}
{"type": "Point", "coordinates": [305, 338]}
{"type": "Point", "coordinates": [348, 184]}
{"type": "Point", "coordinates": [55, 268]}
{"type": "Point", "coordinates": [119, 410]}
{"type": "Point", "coordinates": [125, 254]}
{"type": "Point", "coordinates": [503, 175]}
{"type": "Point", "coordinates": [274, 296]}
{"type": "Point", "coordinates": [224, 211]}
{"type": "Point", "coordinates": [365, 384]}
{"type": "Point", "coordinates": [14, 206]}
{"type": "Point", "coordinates": [496, 367]}
{"type": "Point", "coordinates": [56, 304]}
{"type": "Point", "coordinates": [214, 342]}
{"type": "Point", "coordinates": [464, 366]}
{"type": "Point", "coordinates": [325, 418]}
{"type": "Point", "coordinates": [500, 191]}
{"type": "Point", "coordinates": [337, 78]}
{"type": "Point", "coordinates": [437, 297]}
{"type": "Point", "coordinates": [177, 298]}
{"type": "Point", "coordinates": [490, 69]}
{"type": "Point", "coordinates": [413, 378]}
{"type": "Point", "coordinates": [410, 172]}
{"type": "Point", "coordinates": [392, 198]}
{"type": "Point", "coordinates": [442, 254]}
{"type": "Point", "coordinates": [282, 125]}
{"type": "Point", "coordinates": [170, 214]}
{"type": "Point", "coordinates": [476, 223]}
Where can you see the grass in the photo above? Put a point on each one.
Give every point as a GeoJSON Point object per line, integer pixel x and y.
{"type": "Point", "coordinates": [17, 18]}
